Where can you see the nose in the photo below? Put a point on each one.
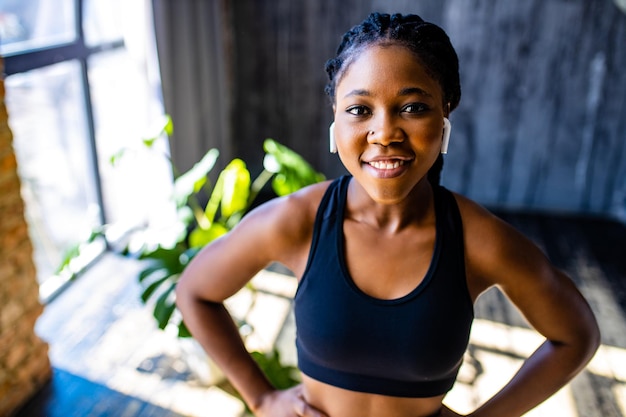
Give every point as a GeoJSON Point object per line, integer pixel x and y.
{"type": "Point", "coordinates": [384, 131]}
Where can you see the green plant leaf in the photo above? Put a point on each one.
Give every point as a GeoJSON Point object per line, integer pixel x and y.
{"type": "Point", "coordinates": [148, 271]}
{"type": "Point", "coordinates": [166, 255]}
{"type": "Point", "coordinates": [280, 376]}
{"type": "Point", "coordinates": [70, 254]}
{"type": "Point", "coordinates": [76, 250]}
{"type": "Point", "coordinates": [115, 159]}
{"type": "Point", "coordinates": [150, 289]}
{"type": "Point", "coordinates": [168, 259]}
{"type": "Point", "coordinates": [232, 195]}
{"type": "Point", "coordinates": [165, 306]}
{"type": "Point", "coordinates": [231, 191]}
{"type": "Point", "coordinates": [188, 255]}
{"type": "Point", "coordinates": [169, 125]}
{"type": "Point", "coordinates": [193, 180]}
{"type": "Point", "coordinates": [200, 237]}
{"type": "Point", "coordinates": [235, 188]}
{"type": "Point", "coordinates": [214, 201]}
{"type": "Point", "coordinates": [292, 171]}
{"type": "Point", "coordinates": [185, 215]}
{"type": "Point", "coordinates": [164, 125]}
{"type": "Point", "coordinates": [183, 331]}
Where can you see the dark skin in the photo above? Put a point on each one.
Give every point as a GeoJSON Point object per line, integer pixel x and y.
{"type": "Point", "coordinates": [388, 126]}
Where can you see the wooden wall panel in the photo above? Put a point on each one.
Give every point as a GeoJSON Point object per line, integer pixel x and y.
{"type": "Point", "coordinates": [542, 121]}
{"type": "Point", "coordinates": [537, 80]}
{"type": "Point", "coordinates": [193, 48]}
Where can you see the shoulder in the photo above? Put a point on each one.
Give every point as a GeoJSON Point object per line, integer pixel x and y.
{"type": "Point", "coordinates": [281, 229]}
{"type": "Point", "coordinates": [291, 212]}
{"type": "Point", "coordinates": [276, 231]}
{"type": "Point", "coordinates": [497, 253]}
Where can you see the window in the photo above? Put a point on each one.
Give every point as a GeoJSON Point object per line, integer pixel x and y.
{"type": "Point", "coordinates": [82, 83]}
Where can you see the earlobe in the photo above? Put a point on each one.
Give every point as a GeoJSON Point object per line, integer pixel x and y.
{"type": "Point", "coordinates": [331, 138]}
{"type": "Point", "coordinates": [447, 127]}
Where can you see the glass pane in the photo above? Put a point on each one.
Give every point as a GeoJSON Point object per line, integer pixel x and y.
{"type": "Point", "coordinates": [34, 24]}
{"type": "Point", "coordinates": [103, 20]}
{"type": "Point", "coordinates": [47, 117]}
{"type": "Point", "coordinates": [126, 104]}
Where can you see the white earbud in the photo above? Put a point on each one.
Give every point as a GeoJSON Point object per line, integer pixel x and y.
{"type": "Point", "coordinates": [331, 138]}
{"type": "Point", "coordinates": [447, 127]}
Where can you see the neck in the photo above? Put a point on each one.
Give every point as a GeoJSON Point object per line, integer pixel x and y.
{"type": "Point", "coordinates": [414, 210]}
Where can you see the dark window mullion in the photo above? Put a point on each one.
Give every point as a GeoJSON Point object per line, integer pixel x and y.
{"type": "Point", "coordinates": [37, 58]}
{"type": "Point", "coordinates": [27, 61]}
{"type": "Point", "coordinates": [91, 130]}
{"type": "Point", "coordinates": [91, 125]}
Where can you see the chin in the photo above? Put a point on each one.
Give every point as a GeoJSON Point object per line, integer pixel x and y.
{"type": "Point", "coordinates": [387, 196]}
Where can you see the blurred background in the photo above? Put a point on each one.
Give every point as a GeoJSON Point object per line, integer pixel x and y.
{"type": "Point", "coordinates": [541, 125]}
{"type": "Point", "coordinates": [540, 129]}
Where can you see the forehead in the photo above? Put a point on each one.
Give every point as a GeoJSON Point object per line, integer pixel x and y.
{"type": "Point", "coordinates": [384, 67]}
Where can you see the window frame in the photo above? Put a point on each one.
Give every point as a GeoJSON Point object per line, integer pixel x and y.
{"type": "Point", "coordinates": [24, 61]}
{"type": "Point", "coordinates": [76, 50]}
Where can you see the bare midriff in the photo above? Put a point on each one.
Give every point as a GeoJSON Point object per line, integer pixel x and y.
{"type": "Point", "coordinates": [338, 402]}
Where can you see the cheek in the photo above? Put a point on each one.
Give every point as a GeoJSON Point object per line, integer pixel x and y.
{"type": "Point", "coordinates": [428, 134]}
{"type": "Point", "coordinates": [349, 135]}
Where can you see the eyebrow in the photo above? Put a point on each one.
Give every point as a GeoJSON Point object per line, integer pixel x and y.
{"type": "Point", "coordinates": [407, 91]}
{"type": "Point", "coordinates": [358, 93]}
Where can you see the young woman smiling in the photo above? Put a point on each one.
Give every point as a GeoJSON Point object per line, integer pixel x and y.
{"type": "Point", "coordinates": [389, 262]}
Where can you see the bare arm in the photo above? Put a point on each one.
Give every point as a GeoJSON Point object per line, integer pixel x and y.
{"type": "Point", "coordinates": [498, 255]}
{"type": "Point", "coordinates": [277, 231]}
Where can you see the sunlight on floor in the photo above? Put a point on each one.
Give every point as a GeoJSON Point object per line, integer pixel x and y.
{"type": "Point", "coordinates": [190, 393]}
{"type": "Point", "coordinates": [113, 341]}
{"type": "Point", "coordinates": [496, 353]}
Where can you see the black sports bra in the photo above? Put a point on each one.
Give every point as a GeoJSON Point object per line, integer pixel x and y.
{"type": "Point", "coordinates": [411, 346]}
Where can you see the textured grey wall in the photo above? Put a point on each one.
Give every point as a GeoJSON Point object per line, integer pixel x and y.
{"type": "Point", "coordinates": [541, 124]}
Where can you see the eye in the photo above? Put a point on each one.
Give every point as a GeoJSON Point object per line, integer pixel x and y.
{"type": "Point", "coordinates": [358, 110]}
{"type": "Point", "coordinates": [415, 108]}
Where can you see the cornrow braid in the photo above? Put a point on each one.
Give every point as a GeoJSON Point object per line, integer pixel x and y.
{"type": "Point", "coordinates": [430, 44]}
{"type": "Point", "coordinates": [428, 41]}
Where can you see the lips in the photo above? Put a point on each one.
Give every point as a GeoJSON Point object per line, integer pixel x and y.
{"type": "Point", "coordinates": [386, 164]}
{"type": "Point", "coordinates": [387, 167]}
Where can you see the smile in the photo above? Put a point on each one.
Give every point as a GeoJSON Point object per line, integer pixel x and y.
{"type": "Point", "coordinates": [386, 164]}
{"type": "Point", "coordinates": [387, 168]}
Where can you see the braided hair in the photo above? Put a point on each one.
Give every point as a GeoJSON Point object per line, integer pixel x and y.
{"type": "Point", "coordinates": [427, 41]}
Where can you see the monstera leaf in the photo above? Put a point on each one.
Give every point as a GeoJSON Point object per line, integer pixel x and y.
{"type": "Point", "coordinates": [292, 172]}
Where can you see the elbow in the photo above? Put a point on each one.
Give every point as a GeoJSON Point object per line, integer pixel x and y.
{"type": "Point", "coordinates": [595, 338]}
{"type": "Point", "coordinates": [191, 293]}
{"type": "Point", "coordinates": [589, 338]}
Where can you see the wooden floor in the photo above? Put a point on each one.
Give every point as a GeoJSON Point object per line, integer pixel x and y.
{"type": "Point", "coordinates": [110, 360]}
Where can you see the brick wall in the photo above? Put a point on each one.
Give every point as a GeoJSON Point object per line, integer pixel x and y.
{"type": "Point", "coordinates": [24, 364]}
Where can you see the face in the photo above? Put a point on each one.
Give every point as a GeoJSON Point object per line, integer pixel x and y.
{"type": "Point", "coordinates": [388, 121]}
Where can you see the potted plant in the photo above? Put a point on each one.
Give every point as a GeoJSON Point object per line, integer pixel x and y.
{"type": "Point", "coordinates": [198, 223]}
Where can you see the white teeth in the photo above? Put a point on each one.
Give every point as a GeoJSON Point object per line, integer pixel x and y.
{"type": "Point", "coordinates": [386, 165]}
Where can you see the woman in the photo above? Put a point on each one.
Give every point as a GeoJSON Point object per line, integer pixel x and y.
{"type": "Point", "coordinates": [389, 263]}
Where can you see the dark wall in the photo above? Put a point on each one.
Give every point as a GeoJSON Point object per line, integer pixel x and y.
{"type": "Point", "coordinates": [542, 120]}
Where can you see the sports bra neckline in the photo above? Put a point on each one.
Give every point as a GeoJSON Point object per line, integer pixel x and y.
{"type": "Point", "coordinates": [347, 277]}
